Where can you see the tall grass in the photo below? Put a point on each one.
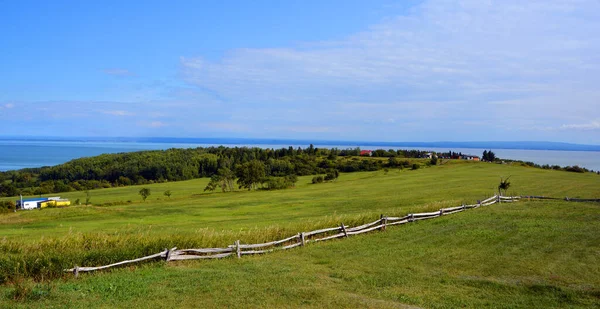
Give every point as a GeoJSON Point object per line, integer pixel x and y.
{"type": "Point", "coordinates": [49, 256]}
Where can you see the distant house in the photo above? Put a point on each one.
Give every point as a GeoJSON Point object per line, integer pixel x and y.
{"type": "Point", "coordinates": [470, 157]}
{"type": "Point", "coordinates": [366, 152]}
{"type": "Point", "coordinates": [42, 202]}
{"type": "Point", "coordinates": [30, 203]}
{"type": "Point", "coordinates": [428, 155]}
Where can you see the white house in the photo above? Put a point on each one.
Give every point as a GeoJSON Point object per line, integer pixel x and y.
{"type": "Point", "coordinates": [30, 203]}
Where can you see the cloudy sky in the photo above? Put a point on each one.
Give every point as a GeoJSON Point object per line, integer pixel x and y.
{"type": "Point", "coordinates": [432, 70]}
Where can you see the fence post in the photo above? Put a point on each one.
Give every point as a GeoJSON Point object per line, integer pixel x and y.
{"type": "Point", "coordinates": [168, 255]}
{"type": "Point", "coordinates": [76, 271]}
{"type": "Point", "coordinates": [302, 238]}
{"type": "Point", "coordinates": [344, 230]}
{"type": "Point", "coordinates": [383, 221]}
{"type": "Point", "coordinates": [441, 212]}
{"type": "Point", "coordinates": [237, 249]}
{"type": "Point", "coordinates": [410, 218]}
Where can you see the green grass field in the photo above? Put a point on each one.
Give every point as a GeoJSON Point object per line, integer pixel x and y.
{"type": "Point", "coordinates": [526, 254]}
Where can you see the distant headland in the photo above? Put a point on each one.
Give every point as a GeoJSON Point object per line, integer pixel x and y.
{"type": "Point", "coordinates": [525, 145]}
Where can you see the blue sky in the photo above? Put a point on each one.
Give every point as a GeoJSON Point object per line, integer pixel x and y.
{"type": "Point", "coordinates": [428, 70]}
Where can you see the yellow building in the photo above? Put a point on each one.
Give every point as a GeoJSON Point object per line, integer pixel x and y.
{"type": "Point", "coordinates": [55, 203]}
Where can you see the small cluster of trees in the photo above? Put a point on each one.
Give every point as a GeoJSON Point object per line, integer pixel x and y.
{"type": "Point", "coordinates": [331, 175]}
{"type": "Point", "coordinates": [251, 175]}
{"type": "Point", "coordinates": [488, 156]}
{"type": "Point", "coordinates": [146, 192]}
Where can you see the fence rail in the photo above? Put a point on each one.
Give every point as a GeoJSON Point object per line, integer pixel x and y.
{"type": "Point", "coordinates": [303, 238]}
{"type": "Point", "coordinates": [568, 199]}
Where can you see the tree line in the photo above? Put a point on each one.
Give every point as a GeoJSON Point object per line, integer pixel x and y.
{"type": "Point", "coordinates": [250, 166]}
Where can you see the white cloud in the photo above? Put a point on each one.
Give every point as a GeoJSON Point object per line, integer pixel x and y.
{"type": "Point", "coordinates": [118, 72]}
{"type": "Point", "coordinates": [117, 113]}
{"type": "Point", "coordinates": [508, 62]}
{"type": "Point", "coordinates": [593, 125]}
{"type": "Point", "coordinates": [157, 124]}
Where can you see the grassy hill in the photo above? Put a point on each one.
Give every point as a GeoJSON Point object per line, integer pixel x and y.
{"type": "Point", "coordinates": [527, 254]}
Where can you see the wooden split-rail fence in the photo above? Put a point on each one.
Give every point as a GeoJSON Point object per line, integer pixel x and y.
{"type": "Point", "coordinates": [238, 249]}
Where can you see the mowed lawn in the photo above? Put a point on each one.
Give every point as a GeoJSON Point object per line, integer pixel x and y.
{"type": "Point", "coordinates": [354, 196]}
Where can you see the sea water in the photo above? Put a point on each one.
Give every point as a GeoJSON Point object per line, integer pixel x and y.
{"type": "Point", "coordinates": [18, 154]}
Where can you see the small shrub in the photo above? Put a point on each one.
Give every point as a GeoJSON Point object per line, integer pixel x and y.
{"type": "Point", "coordinates": [7, 206]}
{"type": "Point", "coordinates": [415, 166]}
{"type": "Point", "coordinates": [575, 169]}
{"type": "Point", "coordinates": [434, 160]}
{"type": "Point", "coordinates": [276, 183]}
{"type": "Point", "coordinates": [291, 179]}
{"type": "Point", "coordinates": [144, 192]}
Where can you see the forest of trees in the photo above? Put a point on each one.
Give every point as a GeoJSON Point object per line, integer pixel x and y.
{"type": "Point", "coordinates": [251, 167]}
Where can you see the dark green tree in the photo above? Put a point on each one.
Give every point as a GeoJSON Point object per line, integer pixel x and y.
{"type": "Point", "coordinates": [224, 179]}
{"type": "Point", "coordinates": [88, 196]}
{"type": "Point", "coordinates": [250, 174]}
{"type": "Point", "coordinates": [144, 192]}
{"type": "Point", "coordinates": [504, 185]}
{"type": "Point", "coordinates": [488, 156]}
{"type": "Point", "coordinates": [8, 189]}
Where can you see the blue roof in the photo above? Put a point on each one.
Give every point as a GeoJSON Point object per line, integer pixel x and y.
{"type": "Point", "coordinates": [39, 199]}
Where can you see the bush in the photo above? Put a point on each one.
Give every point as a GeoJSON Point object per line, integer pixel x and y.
{"type": "Point", "coordinates": [7, 206]}
{"type": "Point", "coordinates": [318, 179]}
{"type": "Point", "coordinates": [434, 160]}
{"type": "Point", "coordinates": [575, 169]}
{"type": "Point", "coordinates": [291, 180]}
{"type": "Point", "coordinates": [277, 183]}
{"type": "Point", "coordinates": [332, 175]}
{"type": "Point", "coordinates": [415, 166]}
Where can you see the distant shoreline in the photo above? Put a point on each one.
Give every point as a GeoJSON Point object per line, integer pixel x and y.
{"type": "Point", "coordinates": [31, 153]}
{"type": "Point", "coordinates": [521, 145]}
